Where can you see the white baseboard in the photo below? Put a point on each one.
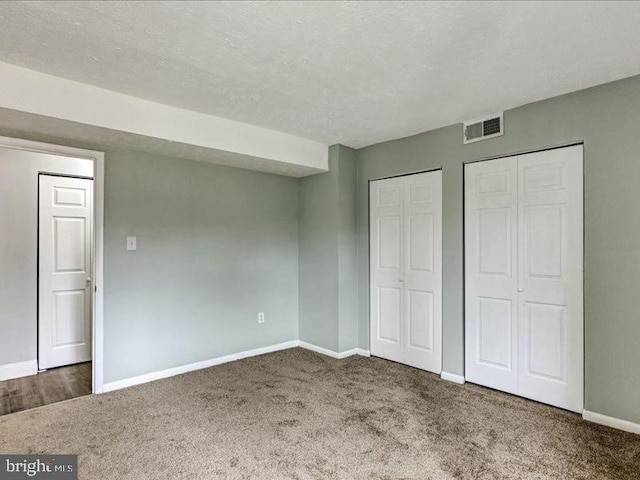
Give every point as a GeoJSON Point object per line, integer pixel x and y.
{"type": "Point", "coordinates": [611, 422]}
{"type": "Point", "coordinates": [170, 372]}
{"type": "Point", "coordinates": [452, 377]}
{"type": "Point", "coordinates": [317, 349]}
{"type": "Point", "coordinates": [331, 353]}
{"type": "Point", "coordinates": [19, 369]}
{"type": "Point", "coordinates": [347, 353]}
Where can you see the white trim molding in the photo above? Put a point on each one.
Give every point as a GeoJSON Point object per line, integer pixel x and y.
{"type": "Point", "coordinates": [331, 353]}
{"type": "Point", "coordinates": [98, 268]}
{"type": "Point", "coordinates": [452, 377]}
{"type": "Point", "coordinates": [98, 233]}
{"type": "Point", "coordinates": [612, 422]}
{"type": "Point", "coordinates": [322, 350]}
{"type": "Point", "coordinates": [19, 369]}
{"type": "Point", "coordinates": [170, 372]}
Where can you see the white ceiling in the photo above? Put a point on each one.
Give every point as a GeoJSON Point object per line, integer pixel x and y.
{"type": "Point", "coordinates": [355, 73]}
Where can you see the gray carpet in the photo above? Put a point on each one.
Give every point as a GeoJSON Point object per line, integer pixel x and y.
{"type": "Point", "coordinates": [298, 414]}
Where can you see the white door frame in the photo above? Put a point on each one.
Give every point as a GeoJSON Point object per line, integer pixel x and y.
{"type": "Point", "coordinates": [98, 239]}
{"type": "Point", "coordinates": [414, 172]}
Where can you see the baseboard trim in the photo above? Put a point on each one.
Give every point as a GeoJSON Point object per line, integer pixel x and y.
{"type": "Point", "coordinates": [170, 372]}
{"type": "Point", "coordinates": [452, 377]}
{"type": "Point", "coordinates": [331, 353]}
{"type": "Point", "coordinates": [322, 350]}
{"type": "Point", "coordinates": [19, 369]}
{"type": "Point", "coordinates": [347, 353]}
{"type": "Point", "coordinates": [612, 422]}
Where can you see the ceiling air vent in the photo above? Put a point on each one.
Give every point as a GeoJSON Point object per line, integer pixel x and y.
{"type": "Point", "coordinates": [483, 129]}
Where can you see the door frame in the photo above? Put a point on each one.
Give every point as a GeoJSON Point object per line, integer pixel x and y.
{"type": "Point", "coordinates": [464, 259]}
{"type": "Point", "coordinates": [97, 260]}
{"type": "Point", "coordinates": [386, 177]}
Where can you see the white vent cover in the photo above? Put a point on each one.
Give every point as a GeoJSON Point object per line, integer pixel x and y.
{"type": "Point", "coordinates": [483, 129]}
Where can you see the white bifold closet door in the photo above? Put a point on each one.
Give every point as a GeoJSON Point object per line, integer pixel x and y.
{"type": "Point", "coordinates": [524, 275]}
{"type": "Point", "coordinates": [406, 269]}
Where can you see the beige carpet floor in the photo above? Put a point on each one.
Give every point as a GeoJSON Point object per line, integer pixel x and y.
{"type": "Point", "coordinates": [298, 414]}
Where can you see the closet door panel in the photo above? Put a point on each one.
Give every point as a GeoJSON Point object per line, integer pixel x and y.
{"type": "Point", "coordinates": [423, 270]}
{"type": "Point", "coordinates": [490, 274]}
{"type": "Point", "coordinates": [550, 277]}
{"type": "Point", "coordinates": [386, 257]}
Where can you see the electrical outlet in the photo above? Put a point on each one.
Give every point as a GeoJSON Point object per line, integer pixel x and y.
{"type": "Point", "coordinates": [260, 317]}
{"type": "Point", "coordinates": [131, 243]}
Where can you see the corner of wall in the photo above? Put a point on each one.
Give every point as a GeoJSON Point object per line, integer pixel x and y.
{"type": "Point", "coordinates": [347, 250]}
{"type": "Point", "coordinates": [318, 260]}
{"type": "Point", "coordinates": [328, 254]}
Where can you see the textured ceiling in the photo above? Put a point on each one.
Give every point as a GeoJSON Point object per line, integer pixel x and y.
{"type": "Point", "coordinates": [353, 73]}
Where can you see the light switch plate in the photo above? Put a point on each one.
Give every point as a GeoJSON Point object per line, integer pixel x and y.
{"type": "Point", "coordinates": [131, 243]}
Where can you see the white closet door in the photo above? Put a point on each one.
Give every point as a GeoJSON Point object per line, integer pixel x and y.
{"type": "Point", "coordinates": [523, 275]}
{"type": "Point", "coordinates": [406, 269]}
{"type": "Point", "coordinates": [491, 234]}
{"type": "Point", "coordinates": [550, 252]}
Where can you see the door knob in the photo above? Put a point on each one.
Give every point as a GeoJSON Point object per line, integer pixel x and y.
{"type": "Point", "coordinates": [401, 280]}
{"type": "Point", "coordinates": [520, 289]}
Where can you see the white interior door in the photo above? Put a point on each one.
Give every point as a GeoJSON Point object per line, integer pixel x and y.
{"type": "Point", "coordinates": [523, 275]}
{"type": "Point", "coordinates": [64, 271]}
{"type": "Point", "coordinates": [406, 269]}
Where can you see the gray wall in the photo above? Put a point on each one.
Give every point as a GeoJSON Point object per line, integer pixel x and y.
{"type": "Point", "coordinates": [318, 315]}
{"type": "Point", "coordinates": [328, 281]}
{"type": "Point", "coordinates": [19, 246]}
{"type": "Point", "coordinates": [347, 250]}
{"type": "Point", "coordinates": [216, 245]}
{"type": "Point", "coordinates": [606, 118]}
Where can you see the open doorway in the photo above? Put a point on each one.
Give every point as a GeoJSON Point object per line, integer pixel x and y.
{"type": "Point", "coordinates": [51, 259]}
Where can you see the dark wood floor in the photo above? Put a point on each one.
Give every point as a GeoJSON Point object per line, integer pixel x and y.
{"type": "Point", "coordinates": [52, 386]}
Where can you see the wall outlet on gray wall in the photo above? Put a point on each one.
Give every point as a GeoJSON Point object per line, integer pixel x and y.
{"type": "Point", "coordinates": [260, 317]}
